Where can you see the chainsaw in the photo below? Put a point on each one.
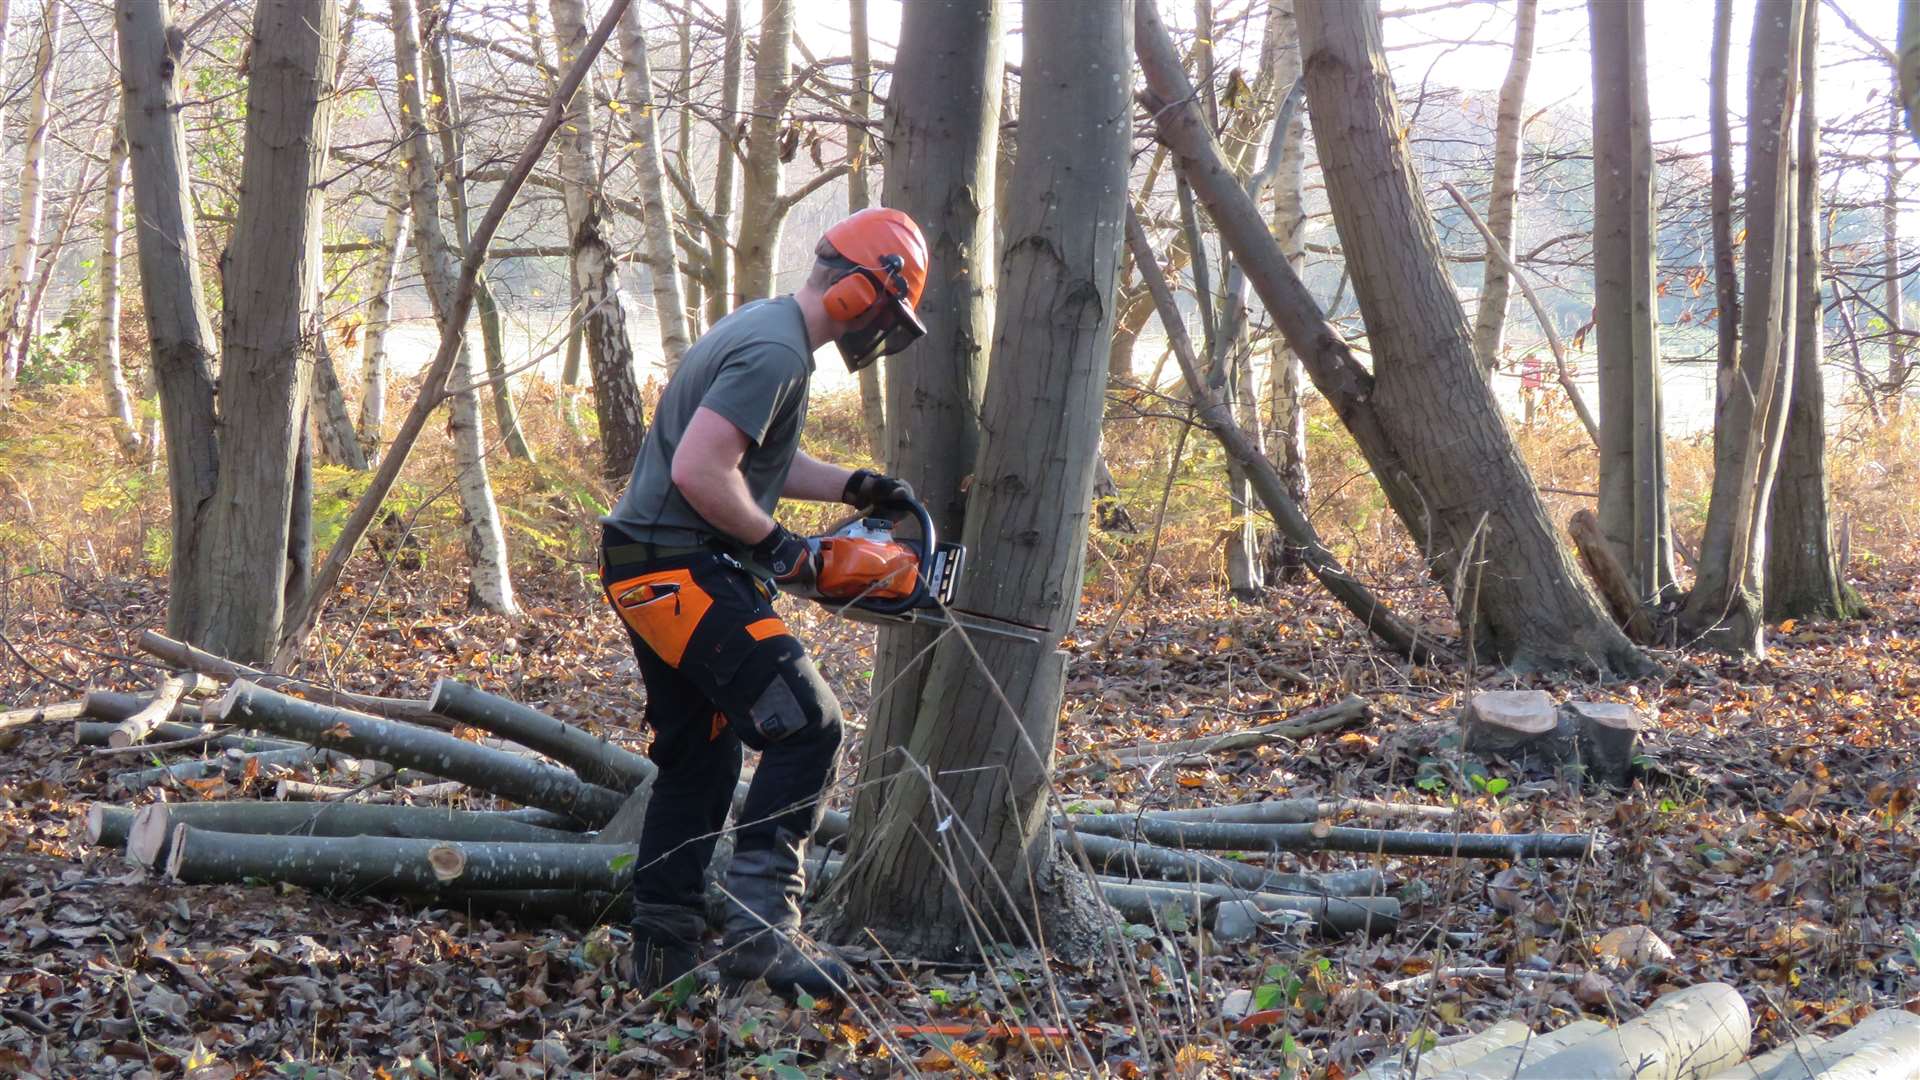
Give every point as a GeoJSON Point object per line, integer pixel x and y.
{"type": "Point", "coordinates": [872, 576]}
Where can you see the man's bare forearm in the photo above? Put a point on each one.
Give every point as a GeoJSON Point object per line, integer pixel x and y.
{"type": "Point", "coordinates": [811, 478]}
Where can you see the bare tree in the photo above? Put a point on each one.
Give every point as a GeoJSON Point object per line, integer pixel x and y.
{"type": "Point", "coordinates": [388, 257]}
{"type": "Point", "coordinates": [616, 394]}
{"type": "Point", "coordinates": [1490, 324]}
{"type": "Point", "coordinates": [1286, 395]}
{"type": "Point", "coordinates": [16, 274]}
{"type": "Point", "coordinates": [941, 128]}
{"type": "Point", "coordinates": [963, 849]}
{"type": "Point", "coordinates": [1804, 578]}
{"type": "Point", "coordinates": [636, 94]}
{"type": "Point", "coordinates": [1726, 605]}
{"type": "Point", "coordinates": [873, 408]}
{"type": "Point", "coordinates": [1633, 474]}
{"type": "Point", "coordinates": [113, 377]}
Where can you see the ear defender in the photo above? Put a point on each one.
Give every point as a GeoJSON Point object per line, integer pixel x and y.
{"type": "Point", "coordinates": [852, 295]}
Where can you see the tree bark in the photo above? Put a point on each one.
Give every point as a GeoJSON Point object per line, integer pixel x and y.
{"type": "Point", "coordinates": [636, 93]}
{"type": "Point", "coordinates": [1233, 836]}
{"type": "Point", "coordinates": [1894, 300]}
{"type": "Point", "coordinates": [232, 763]}
{"type": "Point", "coordinates": [1600, 559]}
{"type": "Point", "coordinates": [763, 179]}
{"type": "Point", "coordinates": [595, 759]}
{"type": "Point", "coordinates": [1633, 502]}
{"type": "Point", "coordinates": [527, 782]}
{"type": "Point", "coordinates": [719, 284]}
{"type": "Point", "coordinates": [986, 726]}
{"type": "Point", "coordinates": [1422, 1060]}
{"type": "Point", "coordinates": [1884, 1046]}
{"type": "Point", "coordinates": [1726, 606]}
{"type": "Point", "coordinates": [359, 864]}
{"type": "Point", "coordinates": [490, 582]}
{"type": "Point", "coordinates": [17, 274]}
{"type": "Point", "coordinates": [253, 540]}
{"type": "Point", "coordinates": [95, 733]}
{"type": "Point", "coordinates": [113, 376]}
{"type": "Point", "coordinates": [148, 832]}
{"type": "Point", "coordinates": [1503, 1062]}
{"type": "Point", "coordinates": [136, 728]}
{"type": "Point", "coordinates": [616, 393]}
{"type": "Point", "coordinates": [339, 444]}
{"type": "Point", "coordinates": [1804, 578]}
{"type": "Point", "coordinates": [1490, 322]}
{"type": "Point", "coordinates": [387, 261]}
{"type": "Point", "coordinates": [181, 655]}
{"type": "Point", "coordinates": [1726, 279]}
{"type": "Point", "coordinates": [941, 125]}
{"type": "Point", "coordinates": [873, 407]}
{"type": "Point", "coordinates": [1286, 393]}
{"type": "Point", "coordinates": [1686, 1034]}
{"type": "Point", "coordinates": [1425, 418]}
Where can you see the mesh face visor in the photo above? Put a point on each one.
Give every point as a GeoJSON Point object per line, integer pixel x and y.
{"type": "Point", "coordinates": [895, 327]}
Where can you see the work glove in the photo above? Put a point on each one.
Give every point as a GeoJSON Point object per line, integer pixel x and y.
{"type": "Point", "coordinates": [867, 490]}
{"type": "Point", "coordinates": [794, 559]}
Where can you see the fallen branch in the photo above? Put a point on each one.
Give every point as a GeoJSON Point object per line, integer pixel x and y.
{"type": "Point", "coordinates": [136, 728]}
{"type": "Point", "coordinates": [1346, 713]}
{"type": "Point", "coordinates": [227, 763]}
{"type": "Point", "coordinates": [1232, 836]}
{"type": "Point", "coordinates": [1268, 812]}
{"type": "Point", "coordinates": [181, 654]}
{"type": "Point", "coordinates": [530, 783]}
{"type": "Point", "coordinates": [112, 706]}
{"type": "Point", "coordinates": [1372, 915]}
{"type": "Point", "coordinates": [1425, 977]}
{"type": "Point", "coordinates": [203, 736]}
{"type": "Point", "coordinates": [147, 832]}
{"type": "Point", "coordinates": [94, 733]}
{"type": "Point", "coordinates": [593, 758]}
{"type": "Point", "coordinates": [34, 714]}
{"type": "Point", "coordinates": [1129, 859]}
{"type": "Point", "coordinates": [303, 791]}
{"type": "Point", "coordinates": [389, 864]}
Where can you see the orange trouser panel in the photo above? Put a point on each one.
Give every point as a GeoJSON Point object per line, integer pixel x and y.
{"type": "Point", "coordinates": [664, 607]}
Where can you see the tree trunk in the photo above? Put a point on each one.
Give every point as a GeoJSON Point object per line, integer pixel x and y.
{"type": "Point", "coordinates": [253, 536]}
{"type": "Point", "coordinates": [985, 733]}
{"type": "Point", "coordinates": [17, 274]}
{"type": "Point", "coordinates": [358, 864]}
{"type": "Point", "coordinates": [1884, 1046]}
{"type": "Point", "coordinates": [1804, 579]}
{"type": "Point", "coordinates": [636, 93]}
{"type": "Point", "coordinates": [719, 284]}
{"type": "Point", "coordinates": [339, 445]}
{"type": "Point", "coordinates": [1633, 501]}
{"type": "Point", "coordinates": [1234, 836]}
{"type": "Point", "coordinates": [387, 261]}
{"type": "Point", "coordinates": [594, 758]}
{"type": "Point", "coordinates": [1894, 295]}
{"type": "Point", "coordinates": [1726, 606]}
{"type": "Point", "coordinates": [150, 829]}
{"type": "Point", "coordinates": [941, 125]}
{"type": "Point", "coordinates": [1503, 1062]}
{"type": "Point", "coordinates": [1726, 279]}
{"type": "Point", "coordinates": [1425, 417]}
{"type": "Point", "coordinates": [763, 180]}
{"type": "Point", "coordinates": [873, 406]}
{"type": "Point", "coordinates": [1286, 392]}
{"type": "Point", "coordinates": [113, 377]}
{"type": "Point", "coordinates": [1685, 1035]}
{"type": "Point", "coordinates": [1490, 323]}
{"type": "Point", "coordinates": [525, 781]}
{"type": "Point", "coordinates": [490, 585]}
{"type": "Point", "coordinates": [616, 393]}
{"type": "Point", "coordinates": [1909, 56]}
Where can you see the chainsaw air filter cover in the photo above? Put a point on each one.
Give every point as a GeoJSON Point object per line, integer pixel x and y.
{"type": "Point", "coordinates": [856, 567]}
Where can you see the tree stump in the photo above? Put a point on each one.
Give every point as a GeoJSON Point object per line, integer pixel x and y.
{"type": "Point", "coordinates": [1608, 736]}
{"type": "Point", "coordinates": [1519, 725]}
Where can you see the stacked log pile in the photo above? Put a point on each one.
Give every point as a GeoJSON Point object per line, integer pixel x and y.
{"type": "Point", "coordinates": [354, 774]}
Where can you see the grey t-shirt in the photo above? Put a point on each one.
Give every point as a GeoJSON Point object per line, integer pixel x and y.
{"type": "Point", "coordinates": [752, 367]}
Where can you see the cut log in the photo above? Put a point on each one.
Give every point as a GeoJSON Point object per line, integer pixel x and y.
{"type": "Point", "coordinates": [227, 762]}
{"type": "Point", "coordinates": [136, 728]}
{"type": "Point", "coordinates": [1229, 836]}
{"type": "Point", "coordinates": [1348, 712]}
{"type": "Point", "coordinates": [1115, 857]}
{"type": "Point", "coordinates": [390, 864]}
{"type": "Point", "coordinates": [1884, 1046]}
{"type": "Point", "coordinates": [35, 714]}
{"type": "Point", "coordinates": [181, 654]}
{"type": "Point", "coordinates": [1501, 1063]}
{"type": "Point", "coordinates": [94, 733]}
{"type": "Point", "coordinates": [107, 825]}
{"type": "Point", "coordinates": [1758, 1068]}
{"type": "Point", "coordinates": [302, 791]}
{"type": "Point", "coordinates": [1267, 812]}
{"type": "Point", "coordinates": [1689, 1034]}
{"type": "Point", "coordinates": [594, 759]}
{"type": "Point", "coordinates": [530, 783]}
{"type": "Point", "coordinates": [1404, 1064]}
{"type": "Point", "coordinates": [153, 826]}
{"type": "Point", "coordinates": [1332, 915]}
{"type": "Point", "coordinates": [112, 706]}
{"type": "Point", "coordinates": [1609, 578]}
{"type": "Point", "coordinates": [1518, 725]}
{"type": "Point", "coordinates": [1608, 736]}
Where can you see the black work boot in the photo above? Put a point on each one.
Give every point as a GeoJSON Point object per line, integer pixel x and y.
{"type": "Point", "coordinates": [762, 928]}
{"type": "Point", "coordinates": [666, 945]}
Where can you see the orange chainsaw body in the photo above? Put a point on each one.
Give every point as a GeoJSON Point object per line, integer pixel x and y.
{"type": "Point", "coordinates": [854, 567]}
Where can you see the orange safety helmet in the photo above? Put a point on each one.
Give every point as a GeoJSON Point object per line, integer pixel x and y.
{"type": "Point", "coordinates": [880, 268]}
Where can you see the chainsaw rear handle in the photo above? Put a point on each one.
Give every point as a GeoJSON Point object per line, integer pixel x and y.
{"type": "Point", "coordinates": [928, 542]}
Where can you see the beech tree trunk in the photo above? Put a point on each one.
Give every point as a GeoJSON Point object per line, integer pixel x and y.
{"type": "Point", "coordinates": [1286, 388]}
{"type": "Point", "coordinates": [1425, 418]}
{"type": "Point", "coordinates": [941, 124]}
{"type": "Point", "coordinates": [719, 283]}
{"type": "Point", "coordinates": [873, 407]}
{"type": "Point", "coordinates": [616, 393]}
{"type": "Point", "coordinates": [490, 584]}
{"type": "Point", "coordinates": [1894, 295]}
{"type": "Point", "coordinates": [969, 856]}
{"type": "Point", "coordinates": [254, 549]}
{"type": "Point", "coordinates": [1726, 280]}
{"type": "Point", "coordinates": [113, 377]}
{"type": "Point", "coordinates": [1633, 499]}
{"type": "Point", "coordinates": [1490, 322]}
{"type": "Point", "coordinates": [339, 444]}
{"type": "Point", "coordinates": [1804, 578]}
{"type": "Point", "coordinates": [387, 261]}
{"type": "Point", "coordinates": [17, 274]}
{"type": "Point", "coordinates": [663, 267]}
{"type": "Point", "coordinates": [1726, 606]}
{"type": "Point", "coordinates": [1909, 56]}
{"type": "Point", "coordinates": [763, 181]}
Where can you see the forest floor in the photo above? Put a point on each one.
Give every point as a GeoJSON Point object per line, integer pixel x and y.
{"type": "Point", "coordinates": [1770, 842]}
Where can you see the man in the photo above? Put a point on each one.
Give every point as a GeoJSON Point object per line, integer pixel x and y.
{"type": "Point", "coordinates": [690, 560]}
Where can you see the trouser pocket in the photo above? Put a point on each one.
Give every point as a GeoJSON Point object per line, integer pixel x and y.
{"type": "Point", "coordinates": [664, 607]}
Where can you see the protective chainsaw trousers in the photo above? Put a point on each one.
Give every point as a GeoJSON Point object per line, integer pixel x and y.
{"type": "Point", "coordinates": [720, 670]}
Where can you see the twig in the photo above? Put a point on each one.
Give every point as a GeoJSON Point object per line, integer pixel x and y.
{"type": "Point", "coordinates": [1412, 981]}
